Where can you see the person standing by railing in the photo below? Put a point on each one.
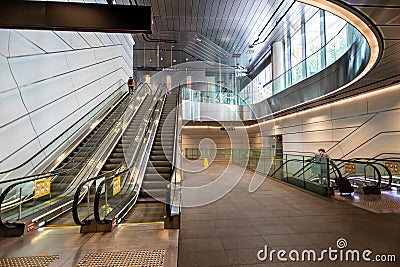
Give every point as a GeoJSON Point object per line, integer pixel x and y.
{"type": "Point", "coordinates": [321, 159]}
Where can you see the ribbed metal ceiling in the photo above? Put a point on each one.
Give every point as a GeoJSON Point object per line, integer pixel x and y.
{"type": "Point", "coordinates": [214, 30]}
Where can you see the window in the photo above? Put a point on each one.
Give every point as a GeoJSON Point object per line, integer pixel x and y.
{"type": "Point", "coordinates": [336, 37]}
{"type": "Point", "coordinates": [313, 44]}
{"type": "Point", "coordinates": [297, 57]}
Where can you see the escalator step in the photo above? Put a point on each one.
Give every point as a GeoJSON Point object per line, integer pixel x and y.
{"type": "Point", "coordinates": [165, 163]}
{"type": "Point", "coordinates": [156, 176]}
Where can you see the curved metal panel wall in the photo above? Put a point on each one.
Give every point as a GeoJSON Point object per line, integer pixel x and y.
{"type": "Point", "coordinates": [49, 80]}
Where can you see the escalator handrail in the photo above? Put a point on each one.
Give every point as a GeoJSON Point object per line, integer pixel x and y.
{"type": "Point", "coordinates": [375, 168]}
{"type": "Point", "coordinates": [53, 172]}
{"type": "Point", "coordinates": [337, 169]}
{"type": "Point", "coordinates": [78, 193]}
{"type": "Point", "coordinates": [31, 178]}
{"type": "Point", "coordinates": [40, 176]}
{"type": "Point", "coordinates": [5, 193]}
{"type": "Point", "coordinates": [52, 142]}
{"type": "Point", "coordinates": [116, 169]}
{"type": "Point", "coordinates": [175, 153]}
{"type": "Point", "coordinates": [96, 205]}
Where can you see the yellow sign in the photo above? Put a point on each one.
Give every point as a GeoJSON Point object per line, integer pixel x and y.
{"type": "Point", "coordinates": [42, 187]}
{"type": "Point", "coordinates": [116, 185]}
{"type": "Point", "coordinates": [350, 168]}
{"type": "Point", "coordinates": [392, 166]}
{"type": "Point", "coordinates": [205, 163]}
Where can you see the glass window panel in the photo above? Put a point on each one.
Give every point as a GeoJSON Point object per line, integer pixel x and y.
{"type": "Point", "coordinates": [333, 25]}
{"type": "Point", "coordinates": [296, 56]}
{"type": "Point", "coordinates": [313, 44]}
{"type": "Point", "coordinates": [313, 38]}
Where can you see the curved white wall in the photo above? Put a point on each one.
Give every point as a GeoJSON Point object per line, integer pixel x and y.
{"type": "Point", "coordinates": [365, 126]}
{"type": "Point", "coordinates": [49, 80]}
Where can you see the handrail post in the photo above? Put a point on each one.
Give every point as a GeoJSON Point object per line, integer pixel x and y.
{"type": "Point", "coordinates": [328, 178]}
{"type": "Point", "coordinates": [88, 200]}
{"type": "Point", "coordinates": [105, 203]}
{"type": "Point", "coordinates": [287, 171]}
{"type": "Point", "coordinates": [20, 203]}
{"type": "Point", "coordinates": [304, 176]}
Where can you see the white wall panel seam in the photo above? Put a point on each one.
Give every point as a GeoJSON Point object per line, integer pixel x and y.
{"type": "Point", "coordinates": [76, 90]}
{"type": "Point", "coordinates": [324, 130]}
{"type": "Point", "coordinates": [103, 44]}
{"type": "Point", "coordinates": [370, 140]}
{"type": "Point", "coordinates": [22, 100]}
{"type": "Point", "coordinates": [69, 72]}
{"type": "Point", "coordinates": [30, 41]}
{"type": "Point", "coordinates": [62, 39]}
{"type": "Point", "coordinates": [54, 125]}
{"type": "Point", "coordinates": [85, 40]}
{"type": "Point", "coordinates": [64, 51]}
{"type": "Point", "coordinates": [353, 132]}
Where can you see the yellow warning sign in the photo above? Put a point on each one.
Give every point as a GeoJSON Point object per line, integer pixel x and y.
{"type": "Point", "coordinates": [42, 187]}
{"type": "Point", "coordinates": [350, 168]}
{"type": "Point", "coordinates": [392, 166]}
{"type": "Point", "coordinates": [116, 185]}
{"type": "Point", "coordinates": [205, 163]}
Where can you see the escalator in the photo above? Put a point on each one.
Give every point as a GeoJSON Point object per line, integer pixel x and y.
{"type": "Point", "coordinates": [116, 157]}
{"type": "Point", "coordinates": [73, 164]}
{"type": "Point", "coordinates": [22, 210]}
{"type": "Point", "coordinates": [150, 205]}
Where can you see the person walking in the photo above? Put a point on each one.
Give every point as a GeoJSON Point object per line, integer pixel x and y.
{"type": "Point", "coordinates": [131, 84]}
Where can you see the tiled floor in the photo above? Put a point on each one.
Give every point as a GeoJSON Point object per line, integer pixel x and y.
{"type": "Point", "coordinates": [387, 202]}
{"type": "Point", "coordinates": [72, 247]}
{"type": "Point", "coordinates": [232, 230]}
